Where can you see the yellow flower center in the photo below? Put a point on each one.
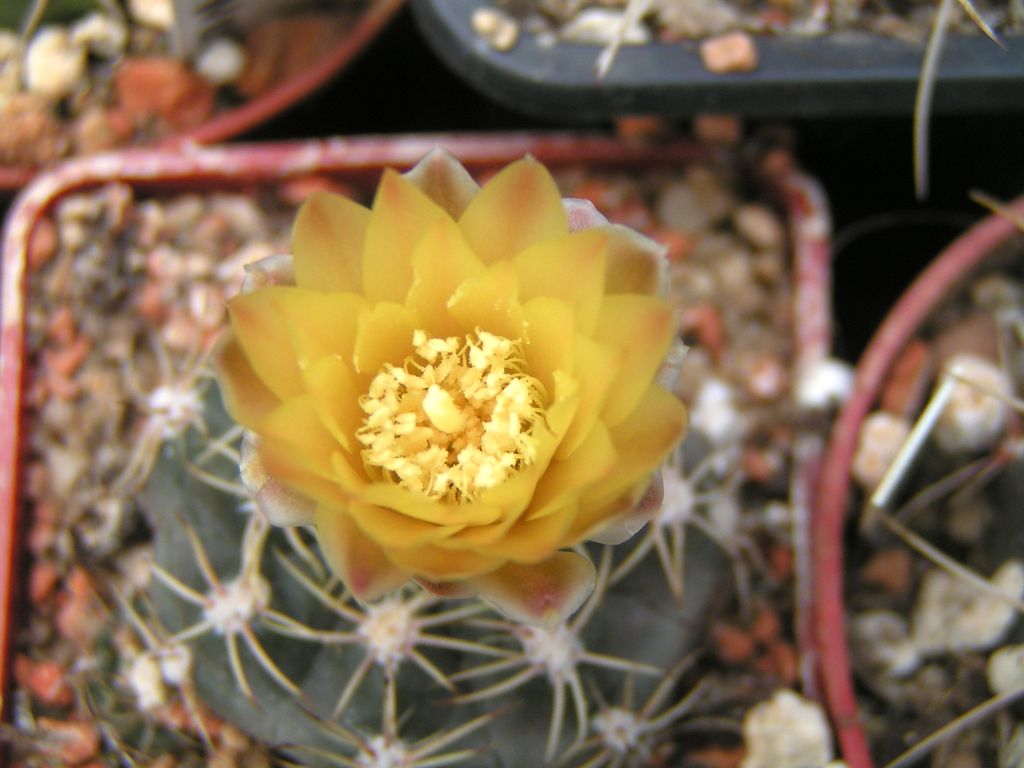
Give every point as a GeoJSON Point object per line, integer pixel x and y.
{"type": "Point", "coordinates": [458, 417]}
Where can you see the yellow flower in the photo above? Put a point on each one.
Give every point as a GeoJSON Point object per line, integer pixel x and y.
{"type": "Point", "coordinates": [455, 385]}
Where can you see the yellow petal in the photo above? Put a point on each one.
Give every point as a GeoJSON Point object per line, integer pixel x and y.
{"type": "Point", "coordinates": [530, 541]}
{"type": "Point", "coordinates": [597, 367]}
{"type": "Point", "coordinates": [401, 216]}
{"type": "Point", "coordinates": [519, 207]}
{"type": "Point", "coordinates": [246, 397]}
{"type": "Point", "coordinates": [490, 302]}
{"type": "Point", "coordinates": [384, 335]}
{"type": "Point", "coordinates": [265, 338]}
{"type": "Point", "coordinates": [548, 349]}
{"type": "Point", "coordinates": [436, 563]}
{"type": "Point", "coordinates": [636, 264]}
{"type": "Point", "coordinates": [283, 464]}
{"type": "Point", "coordinates": [570, 268]}
{"type": "Point", "coordinates": [297, 422]}
{"type": "Point", "coordinates": [394, 529]}
{"type": "Point", "coordinates": [595, 459]}
{"type": "Point", "coordinates": [443, 179]}
{"type": "Point", "coordinates": [642, 442]}
{"type": "Point", "coordinates": [279, 503]}
{"type": "Point", "coordinates": [441, 261]}
{"type": "Point", "coordinates": [546, 593]}
{"type": "Point", "coordinates": [633, 515]}
{"type": "Point", "coordinates": [426, 509]}
{"type": "Point", "coordinates": [357, 560]}
{"type": "Point", "coordinates": [322, 323]}
{"type": "Point", "coordinates": [335, 394]}
{"type": "Point", "coordinates": [327, 243]}
{"type": "Point", "coordinates": [642, 327]}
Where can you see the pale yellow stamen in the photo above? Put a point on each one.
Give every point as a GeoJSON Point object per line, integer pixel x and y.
{"type": "Point", "coordinates": [458, 417]}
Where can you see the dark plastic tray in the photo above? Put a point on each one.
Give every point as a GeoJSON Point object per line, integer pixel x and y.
{"type": "Point", "coordinates": [847, 73]}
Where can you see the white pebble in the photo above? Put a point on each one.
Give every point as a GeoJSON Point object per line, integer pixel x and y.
{"type": "Point", "coordinates": [102, 35]}
{"type": "Point", "coordinates": [973, 419]}
{"type": "Point", "coordinates": [1005, 669]}
{"type": "Point", "coordinates": [953, 615]}
{"type": "Point", "coordinates": [759, 225]}
{"type": "Point", "coordinates": [153, 13]}
{"type": "Point", "coordinates": [881, 436]}
{"type": "Point", "coordinates": [881, 641]}
{"type": "Point", "coordinates": [600, 26]}
{"type": "Point", "coordinates": [715, 415]}
{"type": "Point", "coordinates": [788, 731]}
{"type": "Point", "coordinates": [54, 63]}
{"type": "Point", "coordinates": [496, 27]}
{"type": "Point", "coordinates": [147, 682]}
{"type": "Point", "coordinates": [222, 61]}
{"type": "Point", "coordinates": [176, 664]}
{"type": "Point", "coordinates": [824, 385]}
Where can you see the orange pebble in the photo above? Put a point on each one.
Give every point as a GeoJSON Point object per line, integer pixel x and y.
{"type": "Point", "coordinates": [766, 626]}
{"type": "Point", "coordinates": [61, 327]}
{"type": "Point", "coordinates": [890, 570]}
{"type": "Point", "coordinates": [732, 644]}
{"type": "Point", "coordinates": [65, 361]}
{"type": "Point", "coordinates": [680, 244]}
{"type": "Point", "coordinates": [705, 322]}
{"type": "Point", "coordinates": [781, 560]}
{"type": "Point", "coordinates": [72, 742]}
{"type": "Point", "coordinates": [907, 383]}
{"type": "Point", "coordinates": [728, 53]}
{"type": "Point", "coordinates": [44, 680]}
{"type": "Point", "coordinates": [43, 243]}
{"type": "Point", "coordinates": [149, 302]}
{"type": "Point", "coordinates": [634, 127]}
{"type": "Point", "coordinates": [784, 662]}
{"type": "Point", "coordinates": [716, 757]}
{"type": "Point", "coordinates": [42, 578]}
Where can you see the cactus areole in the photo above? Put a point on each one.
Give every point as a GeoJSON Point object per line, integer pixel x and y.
{"type": "Point", "coordinates": [456, 385]}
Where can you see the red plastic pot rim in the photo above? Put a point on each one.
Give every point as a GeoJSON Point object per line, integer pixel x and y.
{"type": "Point", "coordinates": [932, 286]}
{"type": "Point", "coordinates": [191, 167]}
{"type": "Point", "coordinates": [236, 121]}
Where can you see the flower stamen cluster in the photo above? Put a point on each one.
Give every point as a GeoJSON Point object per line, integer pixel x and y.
{"type": "Point", "coordinates": [457, 418]}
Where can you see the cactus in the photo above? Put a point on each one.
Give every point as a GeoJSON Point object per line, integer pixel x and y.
{"type": "Point", "coordinates": [274, 644]}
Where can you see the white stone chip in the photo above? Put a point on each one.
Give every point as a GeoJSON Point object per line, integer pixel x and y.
{"type": "Point", "coordinates": [953, 615]}
{"type": "Point", "coordinates": [880, 640]}
{"type": "Point", "coordinates": [54, 63]}
{"type": "Point", "coordinates": [973, 419]}
{"type": "Point", "coordinates": [102, 35]}
{"type": "Point", "coordinates": [787, 731]}
{"type": "Point", "coordinates": [221, 61]}
{"type": "Point", "coordinates": [824, 385]}
{"type": "Point", "coordinates": [153, 13]}
{"type": "Point", "coordinates": [1005, 669]}
{"type": "Point", "coordinates": [881, 436]}
{"type": "Point", "coordinates": [715, 414]}
{"type": "Point", "coordinates": [600, 26]}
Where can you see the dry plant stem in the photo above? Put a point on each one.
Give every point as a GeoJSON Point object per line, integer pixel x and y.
{"type": "Point", "coordinates": [968, 719]}
{"type": "Point", "coordinates": [925, 91]}
{"type": "Point", "coordinates": [635, 10]}
{"type": "Point", "coordinates": [886, 490]}
{"type": "Point", "coordinates": [34, 19]}
{"type": "Point", "coordinates": [950, 485]}
{"type": "Point", "coordinates": [945, 562]}
{"type": "Point", "coordinates": [997, 206]}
